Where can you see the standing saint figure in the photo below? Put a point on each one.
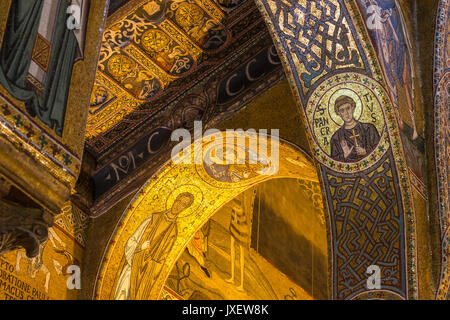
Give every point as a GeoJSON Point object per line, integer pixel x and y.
{"type": "Point", "coordinates": [37, 264]}
{"type": "Point", "coordinates": [354, 140]}
{"type": "Point", "coordinates": [146, 250]}
{"type": "Point", "coordinates": [40, 25]}
{"type": "Point", "coordinates": [394, 47]}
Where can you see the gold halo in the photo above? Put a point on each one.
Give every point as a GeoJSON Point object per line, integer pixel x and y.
{"type": "Point", "coordinates": [344, 92]}
{"type": "Point", "coordinates": [190, 188]}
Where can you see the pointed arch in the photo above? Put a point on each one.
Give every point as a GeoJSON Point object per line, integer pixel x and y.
{"type": "Point", "coordinates": [210, 188]}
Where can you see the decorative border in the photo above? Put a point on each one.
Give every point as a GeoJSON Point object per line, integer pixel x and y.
{"type": "Point", "coordinates": [441, 84]}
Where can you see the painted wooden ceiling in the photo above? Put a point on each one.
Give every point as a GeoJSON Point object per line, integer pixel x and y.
{"type": "Point", "coordinates": [153, 51]}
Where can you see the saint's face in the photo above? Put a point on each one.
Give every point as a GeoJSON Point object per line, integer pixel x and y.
{"type": "Point", "coordinates": [181, 203]}
{"type": "Point", "coordinates": [346, 112]}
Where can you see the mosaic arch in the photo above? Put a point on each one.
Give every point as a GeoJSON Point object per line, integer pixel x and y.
{"type": "Point", "coordinates": [330, 61]}
{"type": "Point", "coordinates": [205, 189]}
{"type": "Point", "coordinates": [441, 136]}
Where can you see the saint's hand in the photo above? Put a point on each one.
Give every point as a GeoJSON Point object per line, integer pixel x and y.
{"type": "Point", "coordinates": [346, 149]}
{"type": "Point", "coordinates": [145, 245]}
{"type": "Point", "coordinates": [361, 151]}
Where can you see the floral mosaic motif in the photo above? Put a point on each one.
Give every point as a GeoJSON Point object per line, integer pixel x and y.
{"type": "Point", "coordinates": [151, 53]}
{"type": "Point", "coordinates": [166, 53]}
{"type": "Point", "coordinates": [141, 83]}
{"type": "Point", "coordinates": [32, 134]}
{"type": "Point", "coordinates": [203, 29]}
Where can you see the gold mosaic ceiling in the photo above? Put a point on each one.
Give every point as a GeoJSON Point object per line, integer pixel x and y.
{"type": "Point", "coordinates": [152, 51]}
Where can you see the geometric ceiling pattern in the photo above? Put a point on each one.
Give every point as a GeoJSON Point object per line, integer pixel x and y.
{"type": "Point", "coordinates": [153, 51]}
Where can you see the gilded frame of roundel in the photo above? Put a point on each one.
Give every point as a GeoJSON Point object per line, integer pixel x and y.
{"type": "Point", "coordinates": [309, 84]}
{"type": "Point", "coordinates": [210, 192]}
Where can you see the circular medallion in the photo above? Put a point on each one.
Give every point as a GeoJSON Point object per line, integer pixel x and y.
{"type": "Point", "coordinates": [347, 121]}
{"type": "Point", "coordinates": [119, 65]}
{"type": "Point", "coordinates": [232, 161]}
{"type": "Point", "coordinates": [188, 15]}
{"type": "Point", "coordinates": [155, 40]}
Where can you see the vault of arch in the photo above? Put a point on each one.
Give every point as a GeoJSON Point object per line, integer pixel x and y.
{"type": "Point", "coordinates": [211, 186]}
